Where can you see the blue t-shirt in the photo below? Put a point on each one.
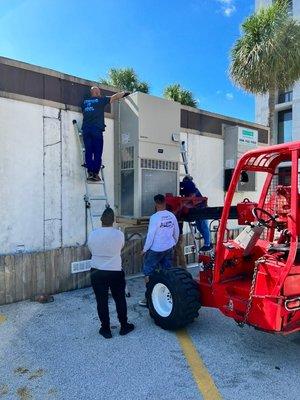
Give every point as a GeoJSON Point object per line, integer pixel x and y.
{"type": "Point", "coordinates": [93, 113]}
{"type": "Point", "coordinates": [187, 188]}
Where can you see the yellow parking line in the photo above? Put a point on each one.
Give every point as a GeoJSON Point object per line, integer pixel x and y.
{"type": "Point", "coordinates": [201, 375]}
{"type": "Point", "coordinates": [2, 318]}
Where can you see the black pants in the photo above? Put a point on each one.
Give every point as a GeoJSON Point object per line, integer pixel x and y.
{"type": "Point", "coordinates": [101, 282]}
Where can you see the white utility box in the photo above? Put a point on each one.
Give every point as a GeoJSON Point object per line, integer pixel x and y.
{"type": "Point", "coordinates": [147, 158]}
{"type": "Point", "coordinates": [238, 140]}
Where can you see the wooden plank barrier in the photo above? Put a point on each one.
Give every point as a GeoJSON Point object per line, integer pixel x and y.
{"type": "Point", "coordinates": [26, 275]}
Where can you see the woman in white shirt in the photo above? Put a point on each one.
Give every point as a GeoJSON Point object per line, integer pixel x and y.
{"type": "Point", "coordinates": [105, 244]}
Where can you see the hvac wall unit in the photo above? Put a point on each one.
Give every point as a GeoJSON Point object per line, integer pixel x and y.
{"type": "Point", "coordinates": [148, 161]}
{"type": "Point", "coordinates": [238, 140]}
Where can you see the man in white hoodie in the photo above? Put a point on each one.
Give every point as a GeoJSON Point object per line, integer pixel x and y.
{"type": "Point", "coordinates": [162, 236]}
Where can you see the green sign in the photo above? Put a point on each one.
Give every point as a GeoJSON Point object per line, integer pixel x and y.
{"type": "Point", "coordinates": [248, 133]}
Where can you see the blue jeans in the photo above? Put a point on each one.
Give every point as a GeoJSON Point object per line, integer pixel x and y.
{"type": "Point", "coordinates": [202, 226]}
{"type": "Point", "coordinates": [153, 259]}
{"type": "Point", "coordinates": [93, 143]}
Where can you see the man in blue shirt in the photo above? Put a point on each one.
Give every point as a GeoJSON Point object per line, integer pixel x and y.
{"type": "Point", "coordinates": [187, 189]}
{"type": "Point", "coordinates": [93, 127]}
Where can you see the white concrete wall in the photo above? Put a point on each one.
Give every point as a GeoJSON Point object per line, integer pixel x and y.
{"type": "Point", "coordinates": [206, 165]}
{"type": "Point", "coordinates": [21, 174]}
{"type": "Point", "coordinates": [42, 181]}
{"type": "Point", "coordinates": [206, 161]}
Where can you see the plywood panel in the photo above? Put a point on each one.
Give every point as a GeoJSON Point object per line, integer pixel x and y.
{"type": "Point", "coordinates": [10, 278]}
{"type": "Point", "coordinates": [49, 271]}
{"type": "Point", "coordinates": [23, 276]}
{"type": "Point", "coordinates": [2, 281]}
{"type": "Point", "coordinates": [40, 273]}
{"type": "Point", "coordinates": [28, 276]}
{"type": "Point", "coordinates": [19, 277]}
{"type": "Point", "coordinates": [68, 258]}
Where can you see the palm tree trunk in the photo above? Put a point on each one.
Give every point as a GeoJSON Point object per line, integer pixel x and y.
{"type": "Point", "coordinates": [271, 116]}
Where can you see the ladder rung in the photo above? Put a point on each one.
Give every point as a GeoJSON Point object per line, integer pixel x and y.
{"type": "Point", "coordinates": [98, 198]}
{"type": "Point", "coordinates": [95, 182]}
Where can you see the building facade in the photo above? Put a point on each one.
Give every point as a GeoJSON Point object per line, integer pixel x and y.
{"type": "Point", "coordinates": [43, 214]}
{"type": "Point", "coordinates": [287, 115]}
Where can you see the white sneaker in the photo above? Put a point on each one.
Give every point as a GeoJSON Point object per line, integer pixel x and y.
{"type": "Point", "coordinates": [143, 303]}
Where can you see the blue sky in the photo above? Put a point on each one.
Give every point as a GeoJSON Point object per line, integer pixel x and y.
{"type": "Point", "coordinates": [165, 41]}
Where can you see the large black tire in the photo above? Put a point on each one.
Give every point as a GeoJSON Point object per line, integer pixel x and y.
{"type": "Point", "coordinates": [183, 298]}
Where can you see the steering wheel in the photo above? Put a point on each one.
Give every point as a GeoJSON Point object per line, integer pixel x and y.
{"type": "Point", "coordinates": [264, 222]}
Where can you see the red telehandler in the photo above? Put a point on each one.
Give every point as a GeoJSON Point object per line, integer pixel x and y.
{"type": "Point", "coordinates": [253, 278]}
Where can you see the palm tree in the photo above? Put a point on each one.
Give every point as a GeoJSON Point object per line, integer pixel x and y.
{"type": "Point", "coordinates": [126, 79]}
{"type": "Point", "coordinates": [177, 93]}
{"type": "Point", "coordinates": [266, 57]}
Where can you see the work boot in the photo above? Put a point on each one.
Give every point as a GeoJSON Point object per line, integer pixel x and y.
{"type": "Point", "coordinates": [126, 329]}
{"type": "Point", "coordinates": [143, 303]}
{"type": "Point", "coordinates": [90, 177]}
{"type": "Point", "coordinates": [105, 332]}
{"type": "Point", "coordinates": [96, 177]}
{"type": "Point", "coordinates": [206, 248]}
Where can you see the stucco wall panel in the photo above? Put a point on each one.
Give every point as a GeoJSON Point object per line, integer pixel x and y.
{"type": "Point", "coordinates": [52, 181]}
{"type": "Point", "coordinates": [51, 112]}
{"type": "Point", "coordinates": [21, 171]}
{"type": "Point", "coordinates": [52, 234]}
{"type": "Point", "coordinates": [51, 131]}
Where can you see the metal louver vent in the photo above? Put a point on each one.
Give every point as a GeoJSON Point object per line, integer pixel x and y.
{"type": "Point", "coordinates": [80, 266]}
{"type": "Point", "coordinates": [159, 164]}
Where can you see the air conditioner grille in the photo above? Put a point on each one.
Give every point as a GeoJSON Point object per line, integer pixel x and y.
{"type": "Point", "coordinates": [159, 164]}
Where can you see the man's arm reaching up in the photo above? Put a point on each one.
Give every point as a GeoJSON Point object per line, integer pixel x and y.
{"type": "Point", "coordinates": [118, 96]}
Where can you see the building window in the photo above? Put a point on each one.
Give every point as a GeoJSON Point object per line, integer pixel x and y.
{"type": "Point", "coordinates": [285, 96]}
{"type": "Point", "coordinates": [285, 119]}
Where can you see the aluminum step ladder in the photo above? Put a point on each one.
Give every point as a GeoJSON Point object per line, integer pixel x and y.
{"type": "Point", "coordinates": [90, 198]}
{"type": "Point", "coordinates": [95, 192]}
{"type": "Point", "coordinates": [193, 230]}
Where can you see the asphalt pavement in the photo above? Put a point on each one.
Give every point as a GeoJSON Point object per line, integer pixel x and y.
{"type": "Point", "coordinates": [54, 351]}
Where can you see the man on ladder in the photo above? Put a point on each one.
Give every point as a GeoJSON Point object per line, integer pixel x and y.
{"type": "Point", "coordinates": [188, 188]}
{"type": "Point", "coordinates": [93, 127]}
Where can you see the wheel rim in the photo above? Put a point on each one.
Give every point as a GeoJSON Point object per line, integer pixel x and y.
{"type": "Point", "coordinates": [162, 300]}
